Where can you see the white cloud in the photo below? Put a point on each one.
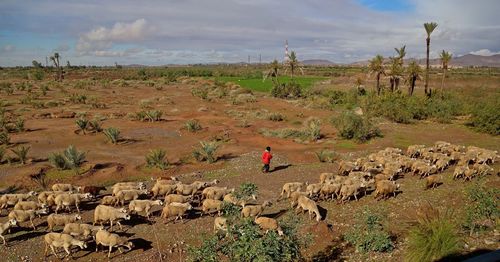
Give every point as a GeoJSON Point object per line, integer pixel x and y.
{"type": "Point", "coordinates": [99, 40]}
{"type": "Point", "coordinates": [484, 52]}
{"type": "Point", "coordinates": [8, 48]}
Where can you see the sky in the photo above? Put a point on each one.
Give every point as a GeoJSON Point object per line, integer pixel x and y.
{"type": "Point", "coordinates": [149, 32]}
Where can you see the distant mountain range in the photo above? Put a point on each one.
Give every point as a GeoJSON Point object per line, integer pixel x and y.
{"type": "Point", "coordinates": [318, 62]}
{"type": "Point", "coordinates": [465, 61]}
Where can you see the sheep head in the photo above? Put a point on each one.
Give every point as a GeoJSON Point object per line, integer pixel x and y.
{"type": "Point", "coordinates": [13, 222]}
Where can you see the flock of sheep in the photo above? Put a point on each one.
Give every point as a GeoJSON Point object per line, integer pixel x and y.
{"type": "Point", "coordinates": [375, 173]}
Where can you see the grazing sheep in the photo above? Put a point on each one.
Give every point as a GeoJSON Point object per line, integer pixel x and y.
{"type": "Point", "coordinates": [323, 177]}
{"type": "Point", "coordinates": [171, 198]}
{"type": "Point", "coordinates": [117, 189]}
{"type": "Point", "coordinates": [55, 240]}
{"type": "Point", "coordinates": [186, 190]}
{"type": "Point", "coordinates": [6, 227]}
{"type": "Point", "coordinates": [66, 187]}
{"type": "Point", "coordinates": [313, 189]}
{"type": "Point", "coordinates": [308, 205]}
{"type": "Point", "coordinates": [105, 213]}
{"type": "Point", "coordinates": [288, 188]}
{"type": "Point", "coordinates": [23, 216]}
{"type": "Point", "coordinates": [254, 210]}
{"type": "Point", "coordinates": [330, 190]}
{"type": "Point", "coordinates": [210, 205]}
{"type": "Point", "coordinates": [218, 194]}
{"type": "Point", "coordinates": [469, 174]}
{"type": "Point", "coordinates": [138, 185]}
{"type": "Point", "coordinates": [202, 184]}
{"type": "Point", "coordinates": [426, 170]}
{"type": "Point", "coordinates": [433, 181]}
{"type": "Point", "coordinates": [83, 230]}
{"type": "Point", "coordinates": [28, 205]}
{"type": "Point", "coordinates": [93, 190]}
{"type": "Point", "coordinates": [143, 205]}
{"type": "Point", "coordinates": [109, 200]}
{"type": "Point", "coordinates": [266, 223]}
{"type": "Point", "coordinates": [483, 169]}
{"type": "Point", "coordinates": [220, 223]}
{"type": "Point", "coordinates": [385, 188]}
{"type": "Point", "coordinates": [12, 199]}
{"type": "Point", "coordinates": [111, 240]}
{"type": "Point", "coordinates": [349, 190]}
{"type": "Point", "coordinates": [67, 200]}
{"type": "Point", "coordinates": [231, 198]}
{"type": "Point", "coordinates": [129, 195]}
{"type": "Point", "coordinates": [160, 189]}
{"type": "Point", "coordinates": [345, 167]}
{"type": "Point", "coordinates": [61, 220]}
{"type": "Point", "coordinates": [459, 171]}
{"type": "Point", "coordinates": [177, 210]}
{"type": "Point", "coordinates": [48, 197]}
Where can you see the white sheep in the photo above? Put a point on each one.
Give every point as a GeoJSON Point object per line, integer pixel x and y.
{"type": "Point", "coordinates": [117, 189]}
{"type": "Point", "coordinates": [67, 200]}
{"type": "Point", "coordinates": [266, 223]}
{"type": "Point", "coordinates": [255, 210]}
{"type": "Point", "coordinates": [23, 216]}
{"type": "Point", "coordinates": [12, 199]}
{"type": "Point", "coordinates": [66, 187]}
{"type": "Point", "coordinates": [177, 210]}
{"type": "Point", "coordinates": [6, 227]}
{"type": "Point", "coordinates": [129, 195]}
{"type": "Point", "coordinates": [143, 205]}
{"type": "Point", "coordinates": [309, 205]}
{"type": "Point", "coordinates": [160, 189]}
{"type": "Point", "coordinates": [109, 201]}
{"type": "Point", "coordinates": [61, 220]}
{"type": "Point", "coordinates": [55, 240]}
{"type": "Point", "coordinates": [220, 223]}
{"type": "Point", "coordinates": [210, 205]}
{"type": "Point", "coordinates": [28, 205]}
{"type": "Point", "coordinates": [111, 240]}
{"type": "Point", "coordinates": [186, 190]}
{"type": "Point", "coordinates": [104, 213]}
{"type": "Point", "coordinates": [288, 188]}
{"type": "Point", "coordinates": [77, 229]}
{"type": "Point", "coordinates": [171, 198]}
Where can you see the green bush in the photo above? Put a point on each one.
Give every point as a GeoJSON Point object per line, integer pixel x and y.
{"type": "Point", "coordinates": [153, 115]}
{"type": "Point", "coordinates": [4, 138]}
{"type": "Point", "coordinates": [70, 158]}
{"type": "Point", "coordinates": [206, 151]}
{"type": "Point", "coordinates": [82, 124]}
{"type": "Point", "coordinates": [433, 237]}
{"type": "Point", "coordinates": [95, 126]}
{"type": "Point", "coordinates": [287, 90]}
{"type": "Point", "coordinates": [2, 153]}
{"type": "Point", "coordinates": [157, 158]}
{"type": "Point", "coordinates": [313, 128]}
{"type": "Point", "coordinates": [277, 117]}
{"type": "Point", "coordinates": [246, 191]}
{"type": "Point", "coordinates": [485, 117]}
{"type": "Point", "coordinates": [193, 125]}
{"type": "Point", "coordinates": [112, 134]}
{"type": "Point", "coordinates": [482, 205]}
{"type": "Point", "coordinates": [353, 126]}
{"type": "Point", "coordinates": [57, 160]}
{"type": "Point", "coordinates": [21, 153]}
{"type": "Point", "coordinates": [326, 156]}
{"type": "Point", "coordinates": [368, 234]}
{"type": "Point", "coordinates": [39, 75]}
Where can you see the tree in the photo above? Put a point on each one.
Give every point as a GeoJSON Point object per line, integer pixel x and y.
{"type": "Point", "coordinates": [55, 61]}
{"type": "Point", "coordinates": [377, 67]}
{"type": "Point", "coordinates": [445, 59]}
{"type": "Point", "coordinates": [429, 28]}
{"type": "Point", "coordinates": [396, 70]}
{"type": "Point", "coordinates": [273, 71]}
{"type": "Point", "coordinates": [401, 54]}
{"type": "Point", "coordinates": [293, 63]}
{"type": "Point", "coordinates": [36, 64]}
{"type": "Point", "coordinates": [413, 73]}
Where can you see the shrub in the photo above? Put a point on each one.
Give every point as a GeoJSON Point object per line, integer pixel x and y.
{"type": "Point", "coordinates": [482, 206]}
{"type": "Point", "coordinates": [153, 115]}
{"type": "Point", "coordinates": [313, 128]}
{"type": "Point", "coordinates": [200, 92]}
{"type": "Point", "coordinates": [77, 99]}
{"type": "Point", "coordinates": [21, 153]}
{"type": "Point", "coordinates": [353, 126]}
{"type": "Point", "coordinates": [485, 117]}
{"type": "Point", "coordinates": [73, 158]}
{"type": "Point", "coordinates": [19, 125]}
{"type": "Point", "coordinates": [193, 125]}
{"type": "Point", "coordinates": [82, 124]}
{"type": "Point", "coordinates": [206, 152]}
{"type": "Point", "coordinates": [246, 191]}
{"type": "Point", "coordinates": [4, 138]}
{"type": "Point", "coordinates": [2, 153]}
{"type": "Point", "coordinates": [157, 158]}
{"type": "Point", "coordinates": [287, 90]}
{"type": "Point", "coordinates": [277, 117]}
{"type": "Point", "coordinates": [38, 75]}
{"type": "Point", "coordinates": [58, 161]}
{"type": "Point", "coordinates": [112, 134]}
{"type": "Point", "coordinates": [95, 126]}
{"type": "Point", "coordinates": [327, 156]}
{"type": "Point", "coordinates": [40, 179]}
{"type": "Point", "coordinates": [368, 233]}
{"type": "Point", "coordinates": [433, 236]}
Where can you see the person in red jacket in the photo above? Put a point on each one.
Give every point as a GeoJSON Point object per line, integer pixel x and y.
{"type": "Point", "coordinates": [266, 159]}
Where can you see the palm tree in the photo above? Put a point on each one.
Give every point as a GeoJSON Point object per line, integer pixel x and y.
{"type": "Point", "coordinates": [273, 71]}
{"type": "Point", "coordinates": [445, 59]}
{"type": "Point", "coordinates": [429, 28]}
{"type": "Point", "coordinates": [293, 63]}
{"type": "Point", "coordinates": [55, 60]}
{"type": "Point", "coordinates": [401, 54]}
{"type": "Point", "coordinates": [413, 73]}
{"type": "Point", "coordinates": [377, 67]}
{"type": "Point", "coordinates": [396, 70]}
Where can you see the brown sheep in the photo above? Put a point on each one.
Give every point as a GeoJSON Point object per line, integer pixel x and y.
{"type": "Point", "coordinates": [61, 220]}
{"type": "Point", "coordinates": [308, 205]}
{"type": "Point", "coordinates": [93, 190]}
{"type": "Point", "coordinates": [433, 181]}
{"type": "Point", "coordinates": [6, 227]}
{"type": "Point", "coordinates": [105, 213]}
{"type": "Point", "coordinates": [254, 210]}
{"type": "Point", "coordinates": [171, 198]}
{"type": "Point", "coordinates": [22, 216]}
{"type": "Point", "coordinates": [266, 223]}
{"type": "Point", "coordinates": [288, 188]}
{"type": "Point", "coordinates": [385, 188]}
{"type": "Point", "coordinates": [177, 210]}
{"type": "Point", "coordinates": [210, 205]}
{"type": "Point", "coordinates": [330, 190]}
{"type": "Point", "coordinates": [110, 240]}
{"type": "Point", "coordinates": [54, 240]}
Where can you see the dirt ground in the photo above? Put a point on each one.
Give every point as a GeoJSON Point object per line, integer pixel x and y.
{"type": "Point", "coordinates": [238, 162]}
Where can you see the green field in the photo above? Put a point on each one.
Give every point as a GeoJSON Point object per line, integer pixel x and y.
{"type": "Point", "coordinates": [256, 84]}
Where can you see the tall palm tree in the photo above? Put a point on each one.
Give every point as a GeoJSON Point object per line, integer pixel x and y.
{"type": "Point", "coordinates": [273, 71]}
{"type": "Point", "coordinates": [55, 60]}
{"type": "Point", "coordinates": [401, 53]}
{"type": "Point", "coordinates": [413, 73]}
{"type": "Point", "coordinates": [445, 60]}
{"type": "Point", "coordinates": [377, 67]}
{"type": "Point", "coordinates": [293, 63]}
{"type": "Point", "coordinates": [396, 70]}
{"type": "Point", "coordinates": [429, 28]}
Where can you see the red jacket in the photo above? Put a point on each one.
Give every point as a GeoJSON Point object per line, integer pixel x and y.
{"type": "Point", "coordinates": [266, 157]}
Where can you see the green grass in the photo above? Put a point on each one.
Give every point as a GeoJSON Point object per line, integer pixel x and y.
{"type": "Point", "coordinates": [218, 174]}
{"type": "Point", "coordinates": [256, 84]}
{"type": "Point", "coordinates": [346, 144]}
